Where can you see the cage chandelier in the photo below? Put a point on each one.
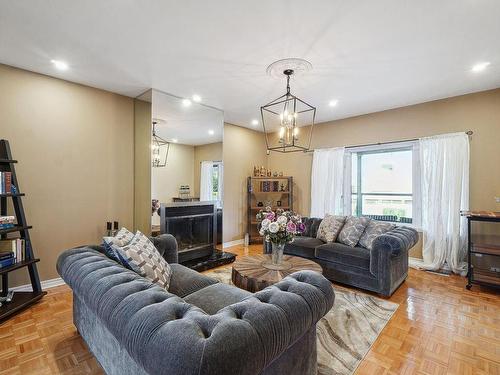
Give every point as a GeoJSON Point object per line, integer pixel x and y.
{"type": "Point", "coordinates": [292, 116]}
{"type": "Point", "coordinates": [159, 149]}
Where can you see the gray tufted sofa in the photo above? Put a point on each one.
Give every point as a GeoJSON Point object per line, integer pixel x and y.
{"type": "Point", "coordinates": [381, 269]}
{"type": "Point", "coordinates": [200, 326]}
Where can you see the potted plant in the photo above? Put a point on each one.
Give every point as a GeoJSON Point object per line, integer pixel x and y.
{"type": "Point", "coordinates": [279, 228]}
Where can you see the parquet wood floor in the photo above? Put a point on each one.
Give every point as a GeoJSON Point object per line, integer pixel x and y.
{"type": "Point", "coordinates": [439, 328]}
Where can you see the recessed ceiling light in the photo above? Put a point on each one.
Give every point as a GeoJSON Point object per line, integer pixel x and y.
{"type": "Point", "coordinates": [479, 67]}
{"type": "Point", "coordinates": [186, 102]}
{"type": "Point", "coordinates": [333, 103]}
{"type": "Point", "coordinates": [196, 98]}
{"type": "Point", "coordinates": [174, 140]}
{"type": "Point", "coordinates": [61, 65]}
{"type": "Point", "coordinates": [211, 132]}
{"type": "Point", "coordinates": [255, 122]}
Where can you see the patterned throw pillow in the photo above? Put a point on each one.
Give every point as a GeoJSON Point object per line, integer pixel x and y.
{"type": "Point", "coordinates": [122, 238]}
{"type": "Point", "coordinates": [373, 230]}
{"type": "Point", "coordinates": [142, 256]}
{"type": "Point", "coordinates": [352, 230]}
{"type": "Point", "coordinates": [330, 227]}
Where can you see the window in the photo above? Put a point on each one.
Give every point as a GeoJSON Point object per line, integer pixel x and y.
{"type": "Point", "coordinates": [217, 182]}
{"type": "Point", "coordinates": [382, 183]}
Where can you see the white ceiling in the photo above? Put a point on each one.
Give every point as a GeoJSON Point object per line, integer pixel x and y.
{"type": "Point", "coordinates": [194, 125]}
{"type": "Point", "coordinates": [370, 55]}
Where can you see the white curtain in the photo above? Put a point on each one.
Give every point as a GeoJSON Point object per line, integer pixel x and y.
{"type": "Point", "coordinates": [206, 184]}
{"type": "Point", "coordinates": [327, 182]}
{"type": "Point", "coordinates": [220, 197]}
{"type": "Point", "coordinates": [444, 180]}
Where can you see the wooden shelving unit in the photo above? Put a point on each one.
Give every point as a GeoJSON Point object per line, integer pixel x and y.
{"type": "Point", "coordinates": [20, 299]}
{"type": "Point", "coordinates": [256, 194]}
{"type": "Point", "coordinates": [483, 251]}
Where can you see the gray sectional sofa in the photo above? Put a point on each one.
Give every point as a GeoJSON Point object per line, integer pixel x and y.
{"type": "Point", "coordinates": [381, 269]}
{"type": "Point", "coordinates": [200, 326]}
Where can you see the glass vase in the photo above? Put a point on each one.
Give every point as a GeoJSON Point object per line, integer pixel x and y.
{"type": "Point", "coordinates": [277, 253]}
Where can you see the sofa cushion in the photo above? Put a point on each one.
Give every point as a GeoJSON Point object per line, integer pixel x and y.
{"type": "Point", "coordinates": [312, 225]}
{"type": "Point", "coordinates": [141, 256]}
{"type": "Point", "coordinates": [352, 230]}
{"type": "Point", "coordinates": [185, 281]}
{"type": "Point", "coordinates": [330, 228]}
{"type": "Point", "coordinates": [343, 254]}
{"type": "Point", "coordinates": [303, 246]}
{"type": "Point", "coordinates": [214, 297]}
{"type": "Point", "coordinates": [373, 230]}
{"type": "Point", "coordinates": [122, 238]}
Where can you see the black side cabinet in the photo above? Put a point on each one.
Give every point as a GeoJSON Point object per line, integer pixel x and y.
{"type": "Point", "coordinates": [483, 251]}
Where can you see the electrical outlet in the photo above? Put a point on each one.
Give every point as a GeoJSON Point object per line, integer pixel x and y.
{"type": "Point", "coordinates": [497, 199]}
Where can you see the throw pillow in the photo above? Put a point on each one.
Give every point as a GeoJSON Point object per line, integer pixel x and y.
{"type": "Point", "coordinates": [122, 238]}
{"type": "Point", "coordinates": [142, 256]}
{"type": "Point", "coordinates": [330, 227]}
{"type": "Point", "coordinates": [352, 230]}
{"type": "Point", "coordinates": [372, 231]}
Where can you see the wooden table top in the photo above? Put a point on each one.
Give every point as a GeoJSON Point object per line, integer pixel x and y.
{"type": "Point", "coordinates": [483, 214]}
{"type": "Point", "coordinates": [257, 272]}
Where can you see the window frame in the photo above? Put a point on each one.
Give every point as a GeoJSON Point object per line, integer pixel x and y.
{"type": "Point", "coordinates": [382, 148]}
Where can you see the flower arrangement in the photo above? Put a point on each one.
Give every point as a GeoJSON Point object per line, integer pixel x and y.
{"type": "Point", "coordinates": [279, 227]}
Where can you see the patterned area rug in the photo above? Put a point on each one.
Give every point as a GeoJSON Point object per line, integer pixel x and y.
{"type": "Point", "coordinates": [347, 332]}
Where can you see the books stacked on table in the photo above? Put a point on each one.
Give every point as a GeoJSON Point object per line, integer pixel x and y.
{"type": "Point", "coordinates": [5, 182]}
{"type": "Point", "coordinates": [12, 251]}
{"type": "Point", "coordinates": [7, 222]}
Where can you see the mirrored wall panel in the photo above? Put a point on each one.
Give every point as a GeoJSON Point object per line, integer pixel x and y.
{"type": "Point", "coordinates": [187, 173]}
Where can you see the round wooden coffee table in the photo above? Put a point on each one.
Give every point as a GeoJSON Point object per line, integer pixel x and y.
{"type": "Point", "coordinates": [256, 272]}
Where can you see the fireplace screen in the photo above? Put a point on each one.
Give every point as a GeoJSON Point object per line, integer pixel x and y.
{"type": "Point", "coordinates": [193, 232]}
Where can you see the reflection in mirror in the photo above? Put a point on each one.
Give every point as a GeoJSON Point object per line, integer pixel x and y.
{"type": "Point", "coordinates": [187, 188]}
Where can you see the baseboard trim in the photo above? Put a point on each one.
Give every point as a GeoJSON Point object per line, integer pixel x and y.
{"type": "Point", "coordinates": [46, 284]}
{"type": "Point", "coordinates": [233, 243]}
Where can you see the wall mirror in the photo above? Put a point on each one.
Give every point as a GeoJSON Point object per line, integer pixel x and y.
{"type": "Point", "coordinates": [187, 174]}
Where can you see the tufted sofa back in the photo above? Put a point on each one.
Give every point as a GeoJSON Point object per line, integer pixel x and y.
{"type": "Point", "coordinates": [164, 334]}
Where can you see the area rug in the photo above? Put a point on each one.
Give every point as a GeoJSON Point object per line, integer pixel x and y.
{"type": "Point", "coordinates": [347, 331]}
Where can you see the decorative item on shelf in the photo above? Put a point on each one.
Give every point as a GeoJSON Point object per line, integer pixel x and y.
{"type": "Point", "coordinates": [260, 204]}
{"type": "Point", "coordinates": [276, 185]}
{"type": "Point", "coordinates": [275, 174]}
{"type": "Point", "coordinates": [279, 227]}
{"type": "Point", "coordinates": [281, 174]}
{"type": "Point", "coordinates": [288, 113]}
{"type": "Point", "coordinates": [282, 187]}
{"type": "Point", "coordinates": [278, 203]}
{"type": "Point", "coordinates": [109, 229]}
{"type": "Point", "coordinates": [159, 148]}
{"type": "Point", "coordinates": [262, 171]}
{"type": "Point", "coordinates": [268, 203]}
{"type": "Point", "coordinates": [184, 192]}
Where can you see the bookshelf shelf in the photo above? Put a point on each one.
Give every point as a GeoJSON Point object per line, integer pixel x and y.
{"type": "Point", "coordinates": [17, 265]}
{"type": "Point", "coordinates": [6, 195]}
{"type": "Point", "coordinates": [20, 300]}
{"type": "Point", "coordinates": [266, 190]}
{"type": "Point", "coordinates": [17, 228]}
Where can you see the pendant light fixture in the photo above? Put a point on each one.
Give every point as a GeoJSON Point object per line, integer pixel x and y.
{"type": "Point", "coordinates": [159, 149]}
{"type": "Point", "coordinates": [288, 121]}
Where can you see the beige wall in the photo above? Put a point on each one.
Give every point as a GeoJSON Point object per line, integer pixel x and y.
{"type": "Point", "coordinates": [75, 147]}
{"type": "Point", "coordinates": [142, 166]}
{"type": "Point", "coordinates": [211, 151]}
{"type": "Point", "coordinates": [165, 181]}
{"type": "Point", "coordinates": [479, 112]}
{"type": "Point", "coordinates": [243, 148]}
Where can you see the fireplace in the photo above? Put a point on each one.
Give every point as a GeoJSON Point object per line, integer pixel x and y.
{"type": "Point", "coordinates": [194, 226]}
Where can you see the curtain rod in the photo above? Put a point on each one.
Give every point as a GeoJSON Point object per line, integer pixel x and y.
{"type": "Point", "coordinates": [468, 132]}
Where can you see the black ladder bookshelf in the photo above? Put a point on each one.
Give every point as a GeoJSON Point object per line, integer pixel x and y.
{"type": "Point", "coordinates": [20, 300]}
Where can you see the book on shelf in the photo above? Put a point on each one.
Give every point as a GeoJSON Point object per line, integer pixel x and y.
{"type": "Point", "coordinates": [14, 248]}
{"type": "Point", "coordinates": [7, 222]}
{"type": "Point", "coordinates": [5, 182]}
